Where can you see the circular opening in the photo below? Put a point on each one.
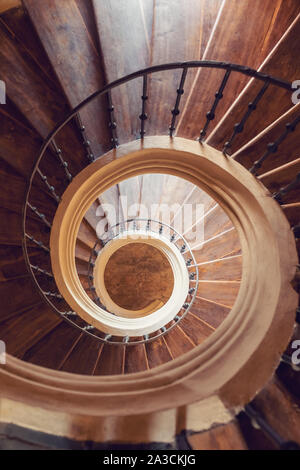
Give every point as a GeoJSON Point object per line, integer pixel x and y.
{"type": "Point", "coordinates": [139, 276]}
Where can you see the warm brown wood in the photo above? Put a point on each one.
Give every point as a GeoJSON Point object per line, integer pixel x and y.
{"type": "Point", "coordinates": [23, 295]}
{"type": "Point", "coordinates": [224, 244]}
{"type": "Point", "coordinates": [83, 356]}
{"type": "Point", "coordinates": [210, 312]}
{"type": "Point", "coordinates": [137, 275]}
{"type": "Point", "coordinates": [23, 331]}
{"type": "Point", "coordinates": [7, 4]}
{"type": "Point", "coordinates": [238, 41]}
{"type": "Point", "coordinates": [124, 53]}
{"type": "Point", "coordinates": [222, 292]}
{"type": "Point", "coordinates": [135, 359]}
{"type": "Point", "coordinates": [19, 145]}
{"type": "Point", "coordinates": [226, 437]}
{"type": "Point", "coordinates": [279, 409]}
{"type": "Point", "coordinates": [216, 221]}
{"type": "Point", "coordinates": [179, 34]}
{"type": "Point", "coordinates": [86, 234]}
{"type": "Point", "coordinates": [157, 353]}
{"type": "Point", "coordinates": [282, 176]}
{"type": "Point", "coordinates": [75, 61]}
{"type": "Point", "coordinates": [111, 360]}
{"type": "Point", "coordinates": [226, 269]}
{"type": "Point", "coordinates": [195, 329]}
{"type": "Point", "coordinates": [178, 342]}
{"type": "Point", "coordinates": [52, 349]}
{"type": "Point", "coordinates": [275, 101]}
{"type": "Point", "coordinates": [292, 212]}
{"type": "Point", "coordinates": [287, 150]}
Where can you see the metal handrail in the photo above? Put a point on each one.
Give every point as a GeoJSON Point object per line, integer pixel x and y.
{"type": "Point", "coordinates": [144, 73]}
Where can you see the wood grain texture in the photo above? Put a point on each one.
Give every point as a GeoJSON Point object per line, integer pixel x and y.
{"type": "Point", "coordinates": [195, 329]}
{"type": "Point", "coordinates": [238, 41]}
{"type": "Point", "coordinates": [23, 331]}
{"type": "Point", "coordinates": [157, 353]}
{"type": "Point", "coordinates": [83, 357]}
{"type": "Point", "coordinates": [224, 244]}
{"type": "Point", "coordinates": [179, 34]}
{"type": "Point", "coordinates": [221, 292]}
{"type": "Point", "coordinates": [111, 360]}
{"type": "Point", "coordinates": [210, 312]}
{"type": "Point", "coordinates": [275, 101]}
{"type": "Point", "coordinates": [226, 269]}
{"type": "Point", "coordinates": [53, 348]}
{"type": "Point", "coordinates": [178, 342]}
{"type": "Point", "coordinates": [135, 359]}
{"type": "Point", "coordinates": [76, 62]}
{"type": "Point", "coordinates": [286, 418]}
{"type": "Point", "coordinates": [123, 53]}
{"type": "Point", "coordinates": [137, 275]}
{"type": "Point", "coordinates": [226, 437]}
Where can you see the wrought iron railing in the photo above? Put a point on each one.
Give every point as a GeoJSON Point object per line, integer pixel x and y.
{"type": "Point", "coordinates": [51, 145]}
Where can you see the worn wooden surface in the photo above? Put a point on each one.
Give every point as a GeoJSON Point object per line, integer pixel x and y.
{"type": "Point", "coordinates": [137, 275]}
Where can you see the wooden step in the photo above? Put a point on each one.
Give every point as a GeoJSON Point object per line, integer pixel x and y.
{"type": "Point", "coordinates": [173, 185]}
{"type": "Point", "coordinates": [41, 103]}
{"type": "Point", "coordinates": [224, 437]}
{"type": "Point", "coordinates": [52, 350]}
{"type": "Point", "coordinates": [281, 177]}
{"type": "Point", "coordinates": [209, 312]}
{"type": "Point", "coordinates": [224, 269]}
{"type": "Point", "coordinates": [135, 359]}
{"type": "Point", "coordinates": [124, 53]}
{"type": "Point", "coordinates": [221, 292]}
{"type": "Point", "coordinates": [23, 295]}
{"type": "Point", "coordinates": [279, 409]}
{"type": "Point", "coordinates": [287, 150]}
{"type": "Point", "coordinates": [76, 62]}
{"type": "Point", "coordinates": [82, 358]}
{"type": "Point", "coordinates": [237, 41]}
{"type": "Point", "coordinates": [86, 234]}
{"type": "Point", "coordinates": [157, 352]}
{"type": "Point", "coordinates": [196, 329]}
{"type": "Point", "coordinates": [178, 341]}
{"type": "Point", "coordinates": [23, 331]}
{"type": "Point", "coordinates": [224, 244]}
{"type": "Point", "coordinates": [19, 144]}
{"type": "Point", "coordinates": [275, 102]}
{"type": "Point", "coordinates": [111, 360]}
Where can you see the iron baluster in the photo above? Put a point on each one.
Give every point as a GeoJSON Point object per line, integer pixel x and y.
{"type": "Point", "coordinates": [210, 116]}
{"type": "Point", "coordinates": [38, 243]}
{"type": "Point", "coordinates": [64, 164]}
{"type": "Point", "coordinates": [49, 186]}
{"type": "Point", "coordinates": [85, 140]}
{"type": "Point", "coordinates": [42, 271]}
{"type": "Point", "coordinates": [180, 92]}
{"type": "Point", "coordinates": [112, 122]}
{"type": "Point", "coordinates": [286, 189]}
{"type": "Point", "coordinates": [143, 116]}
{"type": "Point", "coordinates": [272, 147]}
{"type": "Point", "coordinates": [41, 216]}
{"type": "Point", "coordinates": [239, 127]}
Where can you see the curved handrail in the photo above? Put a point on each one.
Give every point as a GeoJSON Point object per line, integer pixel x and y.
{"type": "Point", "coordinates": [228, 67]}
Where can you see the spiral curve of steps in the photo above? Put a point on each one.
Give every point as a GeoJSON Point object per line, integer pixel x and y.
{"type": "Point", "coordinates": [52, 59]}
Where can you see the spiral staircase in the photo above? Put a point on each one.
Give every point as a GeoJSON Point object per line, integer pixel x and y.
{"type": "Point", "coordinates": [137, 334]}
